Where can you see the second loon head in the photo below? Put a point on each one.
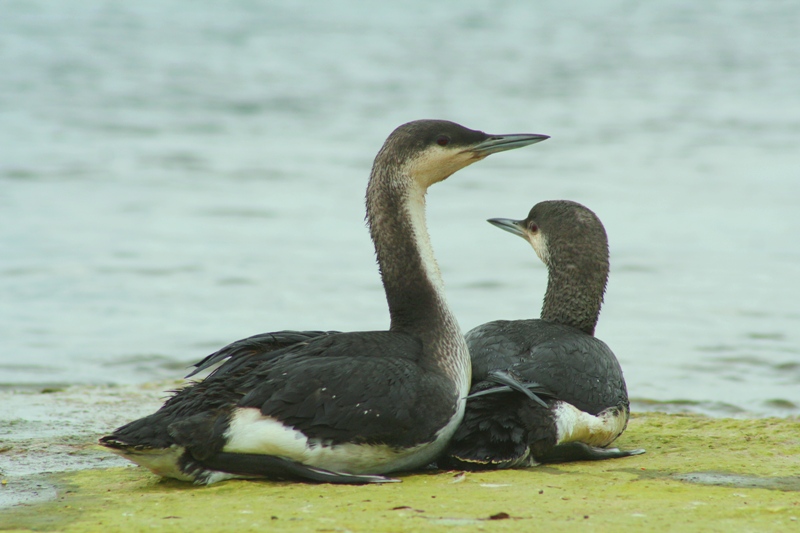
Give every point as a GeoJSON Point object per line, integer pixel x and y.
{"type": "Point", "coordinates": [562, 233]}
{"type": "Point", "coordinates": [571, 241]}
{"type": "Point", "coordinates": [429, 151]}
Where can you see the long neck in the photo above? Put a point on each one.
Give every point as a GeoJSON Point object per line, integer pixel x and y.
{"type": "Point", "coordinates": [411, 278]}
{"type": "Point", "coordinates": [575, 294]}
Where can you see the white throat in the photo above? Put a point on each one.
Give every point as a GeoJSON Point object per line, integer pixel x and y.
{"type": "Point", "coordinates": [417, 217]}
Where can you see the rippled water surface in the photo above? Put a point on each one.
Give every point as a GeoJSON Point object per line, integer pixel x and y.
{"type": "Point", "coordinates": [176, 176]}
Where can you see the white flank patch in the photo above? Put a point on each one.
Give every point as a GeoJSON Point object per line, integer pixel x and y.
{"type": "Point", "coordinates": [575, 425]}
{"type": "Point", "coordinates": [251, 432]}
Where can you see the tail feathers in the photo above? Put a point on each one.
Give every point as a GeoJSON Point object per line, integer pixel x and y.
{"type": "Point", "coordinates": [165, 462]}
{"type": "Point", "coordinates": [146, 433]}
{"type": "Point", "coordinates": [114, 443]}
{"type": "Point", "coordinates": [201, 434]}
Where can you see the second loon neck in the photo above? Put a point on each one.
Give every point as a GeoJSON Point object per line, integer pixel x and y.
{"type": "Point", "coordinates": [574, 299]}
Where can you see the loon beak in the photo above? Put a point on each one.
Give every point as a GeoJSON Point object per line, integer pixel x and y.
{"type": "Point", "coordinates": [501, 143]}
{"type": "Point", "coordinates": [517, 227]}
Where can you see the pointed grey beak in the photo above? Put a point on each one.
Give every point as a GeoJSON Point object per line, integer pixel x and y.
{"type": "Point", "coordinates": [517, 227]}
{"type": "Point", "coordinates": [501, 143]}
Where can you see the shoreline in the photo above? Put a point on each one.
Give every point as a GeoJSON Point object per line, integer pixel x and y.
{"type": "Point", "coordinates": [54, 432]}
{"type": "Point", "coordinates": [699, 473]}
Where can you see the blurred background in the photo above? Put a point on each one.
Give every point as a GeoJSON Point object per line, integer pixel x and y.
{"type": "Point", "coordinates": [178, 175]}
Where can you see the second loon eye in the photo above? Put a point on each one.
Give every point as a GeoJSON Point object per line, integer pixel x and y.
{"type": "Point", "coordinates": [443, 140]}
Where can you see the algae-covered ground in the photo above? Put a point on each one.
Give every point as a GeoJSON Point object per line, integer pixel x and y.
{"type": "Point", "coordinates": [699, 474]}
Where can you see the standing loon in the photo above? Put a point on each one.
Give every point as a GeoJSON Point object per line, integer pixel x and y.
{"type": "Point", "coordinates": [338, 407]}
{"type": "Point", "coordinates": [517, 365]}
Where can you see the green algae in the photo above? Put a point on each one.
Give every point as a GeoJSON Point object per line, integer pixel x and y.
{"type": "Point", "coordinates": [699, 474]}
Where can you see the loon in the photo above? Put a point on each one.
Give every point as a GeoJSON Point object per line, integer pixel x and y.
{"type": "Point", "coordinates": [328, 406]}
{"type": "Point", "coordinates": [547, 390]}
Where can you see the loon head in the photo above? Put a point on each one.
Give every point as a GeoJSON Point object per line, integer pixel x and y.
{"type": "Point", "coordinates": [429, 151]}
{"type": "Point", "coordinates": [563, 233]}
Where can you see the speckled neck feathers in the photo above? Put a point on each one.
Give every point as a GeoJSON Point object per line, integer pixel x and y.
{"type": "Point", "coordinates": [578, 265]}
{"type": "Point", "coordinates": [411, 277]}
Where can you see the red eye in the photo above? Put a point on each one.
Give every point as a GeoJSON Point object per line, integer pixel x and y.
{"type": "Point", "coordinates": [443, 140]}
{"type": "Point", "coordinates": [533, 228]}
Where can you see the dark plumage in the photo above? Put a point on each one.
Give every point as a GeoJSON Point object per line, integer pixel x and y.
{"type": "Point", "coordinates": [557, 357]}
{"type": "Point", "coordinates": [338, 407]}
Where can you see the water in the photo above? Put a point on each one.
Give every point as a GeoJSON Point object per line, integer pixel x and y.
{"type": "Point", "coordinates": [175, 176]}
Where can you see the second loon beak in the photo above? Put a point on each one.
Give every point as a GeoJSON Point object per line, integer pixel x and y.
{"type": "Point", "coordinates": [517, 227]}
{"type": "Point", "coordinates": [501, 143]}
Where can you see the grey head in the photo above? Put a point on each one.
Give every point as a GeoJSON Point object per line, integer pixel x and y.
{"type": "Point", "coordinates": [429, 151]}
{"type": "Point", "coordinates": [570, 239]}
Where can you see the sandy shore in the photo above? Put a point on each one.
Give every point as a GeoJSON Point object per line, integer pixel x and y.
{"type": "Point", "coordinates": [55, 431]}
{"type": "Point", "coordinates": [698, 473]}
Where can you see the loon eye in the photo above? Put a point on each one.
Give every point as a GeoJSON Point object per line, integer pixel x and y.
{"type": "Point", "coordinates": [532, 227]}
{"type": "Point", "coordinates": [443, 140]}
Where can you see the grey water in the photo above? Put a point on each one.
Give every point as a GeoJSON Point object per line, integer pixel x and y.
{"type": "Point", "coordinates": [178, 175]}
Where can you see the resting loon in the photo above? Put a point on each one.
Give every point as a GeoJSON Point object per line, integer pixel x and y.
{"type": "Point", "coordinates": [547, 390]}
{"type": "Point", "coordinates": [339, 407]}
